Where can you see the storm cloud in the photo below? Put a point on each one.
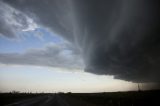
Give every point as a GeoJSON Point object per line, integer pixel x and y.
{"type": "Point", "coordinates": [118, 37]}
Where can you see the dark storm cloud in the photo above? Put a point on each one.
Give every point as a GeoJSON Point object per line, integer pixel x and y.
{"type": "Point", "coordinates": [116, 37]}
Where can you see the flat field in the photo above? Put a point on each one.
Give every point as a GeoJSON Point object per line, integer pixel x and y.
{"type": "Point", "coordinates": [131, 98]}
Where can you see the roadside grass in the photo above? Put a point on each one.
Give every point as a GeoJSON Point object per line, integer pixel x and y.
{"type": "Point", "coordinates": [132, 98]}
{"type": "Point", "coordinates": [7, 98]}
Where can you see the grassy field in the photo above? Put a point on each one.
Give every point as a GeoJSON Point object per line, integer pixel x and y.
{"type": "Point", "coordinates": [132, 98]}
{"type": "Point", "coordinates": [141, 98]}
{"type": "Point", "coordinates": [7, 98]}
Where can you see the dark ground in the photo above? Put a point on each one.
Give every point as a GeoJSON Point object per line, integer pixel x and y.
{"type": "Point", "coordinates": [141, 98]}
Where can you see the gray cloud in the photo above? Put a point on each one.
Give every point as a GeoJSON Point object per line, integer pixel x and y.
{"type": "Point", "coordinates": [52, 55]}
{"type": "Point", "coordinates": [117, 37]}
{"type": "Point", "coordinates": [13, 21]}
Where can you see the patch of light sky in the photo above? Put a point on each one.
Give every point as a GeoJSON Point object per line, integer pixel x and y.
{"type": "Point", "coordinates": [29, 39]}
{"type": "Point", "coordinates": [45, 79]}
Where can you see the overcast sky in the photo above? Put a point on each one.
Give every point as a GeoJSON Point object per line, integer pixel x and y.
{"type": "Point", "coordinates": [103, 45]}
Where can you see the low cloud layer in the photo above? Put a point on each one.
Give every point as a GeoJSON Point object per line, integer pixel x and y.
{"type": "Point", "coordinates": [52, 55]}
{"type": "Point", "coordinates": [117, 37]}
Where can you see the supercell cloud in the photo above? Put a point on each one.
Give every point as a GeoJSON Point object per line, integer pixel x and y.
{"type": "Point", "coordinates": [114, 37]}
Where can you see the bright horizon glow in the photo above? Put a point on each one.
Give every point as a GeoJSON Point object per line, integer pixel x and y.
{"type": "Point", "coordinates": [46, 79]}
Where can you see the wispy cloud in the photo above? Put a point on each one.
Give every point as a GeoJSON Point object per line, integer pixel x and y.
{"type": "Point", "coordinates": [14, 21]}
{"type": "Point", "coordinates": [52, 55]}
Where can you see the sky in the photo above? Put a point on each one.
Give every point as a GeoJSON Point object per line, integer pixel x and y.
{"type": "Point", "coordinates": [79, 46]}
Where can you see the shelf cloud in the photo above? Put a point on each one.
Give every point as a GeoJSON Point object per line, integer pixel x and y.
{"type": "Point", "coordinates": [118, 37]}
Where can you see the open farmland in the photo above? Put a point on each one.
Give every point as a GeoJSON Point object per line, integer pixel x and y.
{"type": "Point", "coordinates": [132, 98]}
